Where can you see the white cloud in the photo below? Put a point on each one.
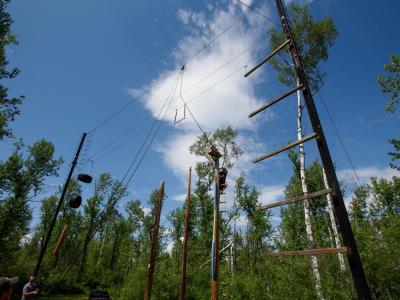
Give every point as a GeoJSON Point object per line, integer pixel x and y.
{"type": "Point", "coordinates": [365, 173]}
{"type": "Point", "coordinates": [146, 210]}
{"type": "Point", "coordinates": [180, 197]}
{"type": "Point", "coordinates": [271, 193]}
{"type": "Point", "coordinates": [213, 105]}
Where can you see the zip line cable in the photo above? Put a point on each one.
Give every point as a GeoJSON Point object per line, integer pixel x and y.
{"type": "Point", "coordinates": [152, 139]}
{"type": "Point", "coordinates": [118, 189]}
{"type": "Point", "coordinates": [191, 100]}
{"type": "Point", "coordinates": [186, 59]}
{"type": "Point", "coordinates": [257, 12]}
{"type": "Point", "coordinates": [136, 134]}
{"type": "Point", "coordinates": [209, 43]}
{"type": "Point", "coordinates": [185, 62]}
{"type": "Point", "coordinates": [170, 114]}
{"type": "Point", "coordinates": [339, 138]}
{"type": "Point", "coordinates": [195, 97]}
{"type": "Point", "coordinates": [125, 133]}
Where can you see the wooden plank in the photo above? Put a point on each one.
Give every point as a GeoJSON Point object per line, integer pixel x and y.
{"type": "Point", "coordinates": [277, 99]}
{"type": "Point", "coordinates": [268, 58]}
{"type": "Point", "coordinates": [295, 199]}
{"type": "Point", "coordinates": [61, 239]}
{"type": "Point", "coordinates": [319, 251]}
{"type": "Point", "coordinates": [286, 147]}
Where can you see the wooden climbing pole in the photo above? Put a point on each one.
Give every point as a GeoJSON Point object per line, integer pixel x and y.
{"type": "Point", "coordinates": [214, 248]}
{"type": "Point", "coordinates": [182, 287]}
{"type": "Point", "coordinates": [154, 243]}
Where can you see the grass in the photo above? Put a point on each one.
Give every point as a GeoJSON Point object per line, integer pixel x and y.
{"type": "Point", "coordinates": [68, 297]}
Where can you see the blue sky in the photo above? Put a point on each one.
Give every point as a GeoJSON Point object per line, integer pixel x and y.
{"type": "Point", "coordinates": [81, 61]}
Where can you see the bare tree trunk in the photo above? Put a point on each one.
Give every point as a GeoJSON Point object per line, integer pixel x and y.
{"type": "Point", "coordinates": [307, 212]}
{"type": "Point", "coordinates": [333, 223]}
{"type": "Point", "coordinates": [102, 241]}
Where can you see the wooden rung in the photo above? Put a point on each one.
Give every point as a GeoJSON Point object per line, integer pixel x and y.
{"type": "Point", "coordinates": [286, 147]}
{"type": "Point", "coordinates": [295, 199]}
{"type": "Point", "coordinates": [272, 102]}
{"type": "Point", "coordinates": [267, 58]}
{"type": "Point", "coordinates": [308, 252]}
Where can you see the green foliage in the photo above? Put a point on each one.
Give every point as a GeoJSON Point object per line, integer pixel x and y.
{"type": "Point", "coordinates": [116, 244]}
{"type": "Point", "coordinates": [21, 177]}
{"type": "Point", "coordinates": [313, 38]}
{"type": "Point", "coordinates": [395, 155]}
{"type": "Point", "coordinates": [391, 83]}
{"type": "Point", "coordinates": [376, 220]}
{"type": "Point", "coordinates": [8, 106]}
{"type": "Point", "coordinates": [224, 140]}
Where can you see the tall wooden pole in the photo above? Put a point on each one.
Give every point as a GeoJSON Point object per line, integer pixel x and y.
{"type": "Point", "coordinates": [182, 287]}
{"type": "Point", "coordinates": [60, 202]}
{"type": "Point", "coordinates": [154, 244]}
{"type": "Point", "coordinates": [214, 250]}
{"type": "Point", "coordinates": [357, 271]}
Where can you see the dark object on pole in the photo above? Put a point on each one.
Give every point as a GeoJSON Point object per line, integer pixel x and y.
{"type": "Point", "coordinates": [360, 282]}
{"type": "Point", "coordinates": [75, 201]}
{"type": "Point", "coordinates": [214, 153]}
{"type": "Point", "coordinates": [85, 178]}
{"type": "Point", "coordinates": [182, 287]}
{"type": "Point", "coordinates": [223, 172]}
{"type": "Point", "coordinates": [60, 202]}
{"type": "Point", "coordinates": [154, 244]}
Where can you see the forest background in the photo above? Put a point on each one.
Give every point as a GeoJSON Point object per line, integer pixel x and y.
{"type": "Point", "coordinates": [109, 236]}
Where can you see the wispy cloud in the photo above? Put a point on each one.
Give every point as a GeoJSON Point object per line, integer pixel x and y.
{"type": "Point", "coordinates": [213, 105]}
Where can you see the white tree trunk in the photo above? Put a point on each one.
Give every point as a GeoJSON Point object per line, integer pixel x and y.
{"type": "Point", "coordinates": [307, 212]}
{"type": "Point", "coordinates": [333, 223]}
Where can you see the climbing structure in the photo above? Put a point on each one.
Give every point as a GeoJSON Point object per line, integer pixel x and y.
{"type": "Point", "coordinates": [333, 189]}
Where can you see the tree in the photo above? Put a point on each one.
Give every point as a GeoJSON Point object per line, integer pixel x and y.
{"type": "Point", "coordinates": [375, 217]}
{"type": "Point", "coordinates": [22, 177]}
{"type": "Point", "coordinates": [391, 85]}
{"type": "Point", "coordinates": [224, 140]}
{"type": "Point", "coordinates": [98, 209]}
{"type": "Point", "coordinates": [8, 106]}
{"type": "Point", "coordinates": [313, 39]}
